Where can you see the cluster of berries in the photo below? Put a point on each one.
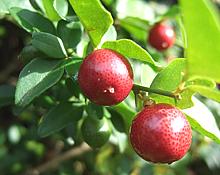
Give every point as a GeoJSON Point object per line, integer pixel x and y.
{"type": "Point", "coordinates": [160, 133]}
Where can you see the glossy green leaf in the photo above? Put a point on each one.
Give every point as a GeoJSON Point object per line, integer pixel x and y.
{"type": "Point", "coordinates": [126, 112]}
{"type": "Point", "coordinates": [32, 21]}
{"type": "Point", "coordinates": [7, 93]}
{"type": "Point", "coordinates": [49, 44]}
{"type": "Point", "coordinates": [136, 27]}
{"type": "Point", "coordinates": [36, 77]}
{"type": "Point", "coordinates": [96, 25]}
{"type": "Point", "coordinates": [168, 79]}
{"type": "Point", "coordinates": [61, 6]}
{"type": "Point", "coordinates": [5, 5]}
{"type": "Point", "coordinates": [202, 53]}
{"type": "Point", "coordinates": [70, 33]}
{"type": "Point", "coordinates": [59, 117]}
{"type": "Point", "coordinates": [202, 120]}
{"type": "Point", "coordinates": [50, 10]}
{"type": "Point", "coordinates": [129, 49]}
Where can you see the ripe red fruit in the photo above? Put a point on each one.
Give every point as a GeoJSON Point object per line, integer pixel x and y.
{"type": "Point", "coordinates": [161, 36]}
{"type": "Point", "coordinates": [105, 77]}
{"type": "Point", "coordinates": [161, 134]}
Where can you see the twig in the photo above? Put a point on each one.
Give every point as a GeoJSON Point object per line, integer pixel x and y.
{"type": "Point", "coordinates": [54, 163]}
{"type": "Point", "coordinates": [137, 88]}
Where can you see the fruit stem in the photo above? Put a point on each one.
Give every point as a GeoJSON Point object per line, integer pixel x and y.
{"type": "Point", "coordinates": [136, 88]}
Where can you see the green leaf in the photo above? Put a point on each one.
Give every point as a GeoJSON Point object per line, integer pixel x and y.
{"type": "Point", "coordinates": [61, 6]}
{"type": "Point", "coordinates": [136, 27]}
{"type": "Point", "coordinates": [110, 35]}
{"type": "Point", "coordinates": [187, 93]}
{"type": "Point", "coordinates": [117, 121]}
{"type": "Point", "coordinates": [59, 117]}
{"type": "Point", "coordinates": [66, 29]}
{"type": "Point", "coordinates": [202, 53]}
{"type": "Point", "coordinates": [95, 111]}
{"type": "Point", "coordinates": [7, 93]}
{"type": "Point", "coordinates": [36, 77]}
{"type": "Point", "coordinates": [5, 5]}
{"type": "Point", "coordinates": [96, 25]}
{"type": "Point", "coordinates": [126, 112]}
{"type": "Point", "coordinates": [168, 79]}
{"type": "Point", "coordinates": [202, 120]}
{"type": "Point", "coordinates": [72, 66]}
{"type": "Point", "coordinates": [95, 132]}
{"type": "Point", "coordinates": [31, 21]}
{"type": "Point", "coordinates": [49, 44]}
{"type": "Point", "coordinates": [129, 49]}
{"type": "Point", "coordinates": [208, 92]}
{"type": "Point", "coordinates": [50, 10]}
{"type": "Point", "coordinates": [29, 52]}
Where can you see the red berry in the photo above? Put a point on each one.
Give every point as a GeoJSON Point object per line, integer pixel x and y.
{"type": "Point", "coordinates": [105, 77]}
{"type": "Point", "coordinates": [161, 134]}
{"type": "Point", "coordinates": [161, 36]}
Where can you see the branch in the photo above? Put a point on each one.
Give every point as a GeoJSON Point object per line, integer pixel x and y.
{"type": "Point", "coordinates": [54, 163]}
{"type": "Point", "coordinates": [136, 88]}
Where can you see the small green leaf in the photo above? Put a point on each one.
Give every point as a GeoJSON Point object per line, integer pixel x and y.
{"type": "Point", "coordinates": [126, 112]}
{"type": "Point", "coordinates": [96, 25]}
{"type": "Point", "coordinates": [95, 111]}
{"type": "Point", "coordinates": [129, 49]}
{"type": "Point", "coordinates": [7, 93]}
{"type": "Point", "coordinates": [50, 10]}
{"type": "Point", "coordinates": [36, 77]}
{"type": "Point", "coordinates": [61, 6]}
{"type": "Point", "coordinates": [95, 132]}
{"type": "Point", "coordinates": [59, 117]}
{"type": "Point", "coordinates": [70, 33]}
{"type": "Point", "coordinates": [117, 121]}
{"type": "Point", "coordinates": [202, 53]}
{"type": "Point", "coordinates": [168, 79]}
{"type": "Point", "coordinates": [49, 44]}
{"type": "Point", "coordinates": [31, 21]}
{"type": "Point", "coordinates": [203, 121]}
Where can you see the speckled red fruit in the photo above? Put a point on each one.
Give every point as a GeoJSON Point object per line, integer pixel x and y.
{"type": "Point", "coordinates": [161, 36]}
{"type": "Point", "coordinates": [161, 134]}
{"type": "Point", "coordinates": [105, 77]}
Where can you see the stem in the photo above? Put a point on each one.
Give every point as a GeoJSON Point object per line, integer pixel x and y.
{"type": "Point", "coordinates": [137, 88]}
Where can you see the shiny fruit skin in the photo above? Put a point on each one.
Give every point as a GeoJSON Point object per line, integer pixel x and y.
{"type": "Point", "coordinates": [95, 132]}
{"type": "Point", "coordinates": [161, 134]}
{"type": "Point", "coordinates": [105, 77]}
{"type": "Point", "coordinates": [161, 36]}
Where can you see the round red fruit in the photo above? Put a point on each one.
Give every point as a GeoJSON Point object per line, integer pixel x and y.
{"type": "Point", "coordinates": [160, 133]}
{"type": "Point", "coordinates": [105, 77]}
{"type": "Point", "coordinates": [161, 36]}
